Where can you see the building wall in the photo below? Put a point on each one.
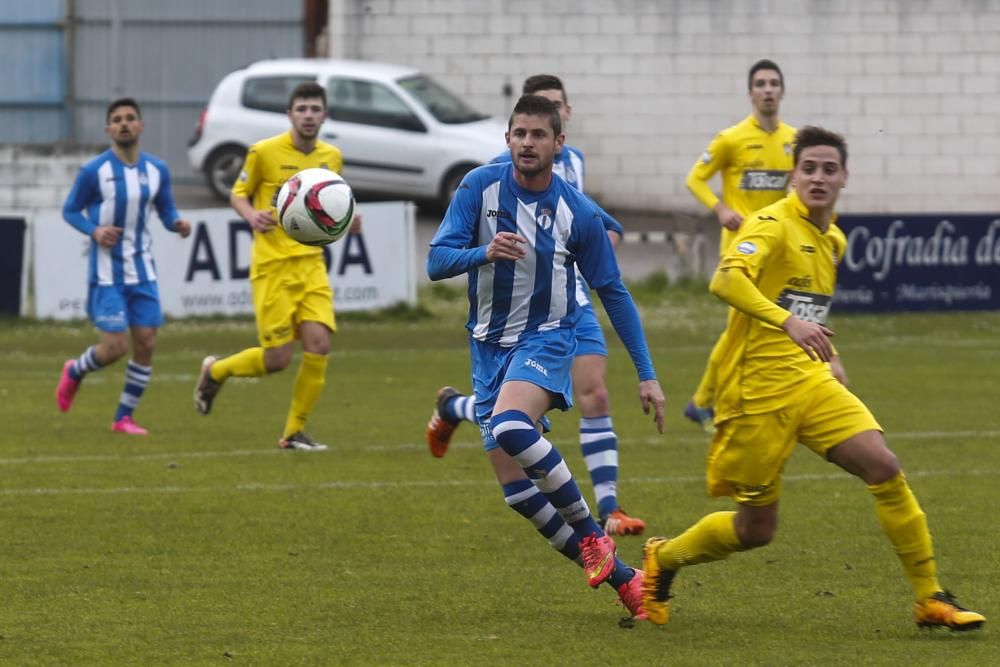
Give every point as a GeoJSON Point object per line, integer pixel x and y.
{"type": "Point", "coordinates": [913, 84]}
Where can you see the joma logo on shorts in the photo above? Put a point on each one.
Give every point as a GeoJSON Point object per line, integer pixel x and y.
{"type": "Point", "coordinates": [537, 366]}
{"type": "Point", "coordinates": [764, 179]}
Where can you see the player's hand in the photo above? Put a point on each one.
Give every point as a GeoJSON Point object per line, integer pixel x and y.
{"type": "Point", "coordinates": [262, 221]}
{"type": "Point", "coordinates": [837, 368]}
{"type": "Point", "coordinates": [651, 395]}
{"type": "Point", "coordinates": [728, 218]}
{"type": "Point", "coordinates": [355, 224]}
{"type": "Point", "coordinates": [107, 235]}
{"type": "Point", "coordinates": [505, 245]}
{"type": "Point", "coordinates": [182, 227]}
{"type": "Point", "coordinates": [811, 337]}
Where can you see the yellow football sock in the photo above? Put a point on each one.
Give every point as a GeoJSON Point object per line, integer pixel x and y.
{"type": "Point", "coordinates": [704, 395]}
{"type": "Point", "coordinates": [248, 363]}
{"type": "Point", "coordinates": [905, 524]}
{"type": "Point", "coordinates": [712, 538]}
{"type": "Point", "coordinates": [309, 383]}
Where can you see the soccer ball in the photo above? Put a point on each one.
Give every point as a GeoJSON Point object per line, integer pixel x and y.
{"type": "Point", "coordinates": [315, 206]}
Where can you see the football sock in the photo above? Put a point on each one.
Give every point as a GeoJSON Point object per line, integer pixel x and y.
{"type": "Point", "coordinates": [712, 538]}
{"type": "Point", "coordinates": [461, 408]}
{"type": "Point", "coordinates": [524, 498]}
{"type": "Point", "coordinates": [136, 380]}
{"type": "Point", "coordinates": [309, 381]}
{"type": "Point", "coordinates": [543, 464]}
{"type": "Point", "coordinates": [704, 395]}
{"type": "Point", "coordinates": [599, 445]}
{"type": "Point", "coordinates": [248, 363]}
{"type": "Point", "coordinates": [86, 363]}
{"type": "Point", "coordinates": [905, 524]}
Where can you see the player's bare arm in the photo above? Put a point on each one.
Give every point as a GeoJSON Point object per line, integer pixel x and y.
{"type": "Point", "coordinates": [506, 245]}
{"type": "Point", "coordinates": [728, 218]}
{"type": "Point", "coordinates": [811, 337]}
{"type": "Point", "coordinates": [182, 227]}
{"type": "Point", "coordinates": [261, 221]}
{"type": "Point", "coordinates": [107, 236]}
{"type": "Point", "coordinates": [651, 396]}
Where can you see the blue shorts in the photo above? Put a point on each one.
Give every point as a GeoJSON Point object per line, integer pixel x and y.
{"type": "Point", "coordinates": [115, 308]}
{"type": "Point", "coordinates": [545, 359]}
{"type": "Point", "coordinates": [589, 336]}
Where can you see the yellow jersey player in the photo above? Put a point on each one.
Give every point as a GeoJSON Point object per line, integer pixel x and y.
{"type": "Point", "coordinates": [754, 159]}
{"type": "Point", "coordinates": [291, 291]}
{"type": "Point", "coordinates": [775, 390]}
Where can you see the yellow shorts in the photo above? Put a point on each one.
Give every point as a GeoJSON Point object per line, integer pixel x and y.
{"type": "Point", "coordinates": [287, 293]}
{"type": "Point", "coordinates": [749, 452]}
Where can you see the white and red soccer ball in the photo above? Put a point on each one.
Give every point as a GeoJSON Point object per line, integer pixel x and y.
{"type": "Point", "coordinates": [315, 206]}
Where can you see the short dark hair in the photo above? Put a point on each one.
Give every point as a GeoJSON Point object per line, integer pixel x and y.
{"type": "Point", "coordinates": [810, 135]}
{"type": "Point", "coordinates": [307, 90]}
{"type": "Point", "coordinates": [122, 102]}
{"type": "Point", "coordinates": [764, 63]}
{"type": "Point", "coordinates": [536, 105]}
{"type": "Point", "coordinates": [538, 82]}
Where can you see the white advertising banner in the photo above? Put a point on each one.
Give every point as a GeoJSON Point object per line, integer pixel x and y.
{"type": "Point", "coordinates": [206, 273]}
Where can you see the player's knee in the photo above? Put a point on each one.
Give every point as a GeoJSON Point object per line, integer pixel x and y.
{"type": "Point", "coordinates": [593, 400]}
{"type": "Point", "coordinates": [277, 359]}
{"type": "Point", "coordinates": [883, 467]}
{"type": "Point", "coordinates": [755, 536]}
{"type": "Point", "coordinates": [115, 349]}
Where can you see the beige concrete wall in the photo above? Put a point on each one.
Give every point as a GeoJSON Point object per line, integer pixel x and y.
{"type": "Point", "coordinates": [913, 84]}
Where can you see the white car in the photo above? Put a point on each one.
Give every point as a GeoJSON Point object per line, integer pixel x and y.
{"type": "Point", "coordinates": [401, 133]}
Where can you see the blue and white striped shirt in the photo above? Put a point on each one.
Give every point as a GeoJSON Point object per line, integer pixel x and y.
{"type": "Point", "coordinates": [109, 192]}
{"type": "Point", "coordinates": [568, 164]}
{"type": "Point", "coordinates": [512, 299]}
{"type": "Point", "coordinates": [564, 231]}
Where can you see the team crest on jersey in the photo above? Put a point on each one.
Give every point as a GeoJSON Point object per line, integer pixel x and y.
{"type": "Point", "coordinates": [143, 179]}
{"type": "Point", "coordinates": [746, 248]}
{"type": "Point", "coordinates": [788, 148]}
{"type": "Point", "coordinates": [544, 219]}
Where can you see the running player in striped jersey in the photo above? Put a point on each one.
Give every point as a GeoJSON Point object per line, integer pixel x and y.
{"type": "Point", "coordinates": [112, 201]}
{"type": "Point", "coordinates": [754, 158]}
{"type": "Point", "coordinates": [598, 441]}
{"type": "Point", "coordinates": [522, 234]}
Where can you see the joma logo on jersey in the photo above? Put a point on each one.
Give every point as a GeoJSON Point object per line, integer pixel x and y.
{"type": "Point", "coordinates": [806, 306]}
{"type": "Point", "coordinates": [531, 363]}
{"type": "Point", "coordinates": [808, 249]}
{"type": "Point", "coordinates": [803, 282]}
{"type": "Point", "coordinates": [498, 213]}
{"type": "Point", "coordinates": [764, 179]}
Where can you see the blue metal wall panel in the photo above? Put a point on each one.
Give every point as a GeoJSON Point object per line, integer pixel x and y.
{"type": "Point", "coordinates": [31, 48]}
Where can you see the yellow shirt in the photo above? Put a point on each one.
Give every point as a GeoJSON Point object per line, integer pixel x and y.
{"type": "Point", "coordinates": [269, 163]}
{"type": "Point", "coordinates": [755, 167]}
{"type": "Point", "coordinates": [794, 266]}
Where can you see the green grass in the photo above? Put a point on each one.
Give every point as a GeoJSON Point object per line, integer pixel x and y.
{"type": "Point", "coordinates": [203, 544]}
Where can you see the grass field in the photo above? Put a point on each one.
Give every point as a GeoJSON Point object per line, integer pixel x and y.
{"type": "Point", "coordinates": [204, 544]}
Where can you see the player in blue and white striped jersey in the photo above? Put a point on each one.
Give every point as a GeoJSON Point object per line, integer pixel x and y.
{"type": "Point", "coordinates": [112, 202]}
{"type": "Point", "coordinates": [522, 234]}
{"type": "Point", "coordinates": [598, 441]}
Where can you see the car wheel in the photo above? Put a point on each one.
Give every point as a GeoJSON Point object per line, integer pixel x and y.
{"type": "Point", "coordinates": [222, 168]}
{"type": "Point", "coordinates": [451, 181]}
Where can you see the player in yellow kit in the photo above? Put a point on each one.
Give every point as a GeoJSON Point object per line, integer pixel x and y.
{"type": "Point", "coordinates": [754, 159]}
{"type": "Point", "coordinates": [775, 390]}
{"type": "Point", "coordinates": [291, 290]}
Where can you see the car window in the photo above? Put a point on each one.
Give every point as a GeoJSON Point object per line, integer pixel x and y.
{"type": "Point", "coordinates": [369, 103]}
{"type": "Point", "coordinates": [441, 102]}
{"type": "Point", "coordinates": [271, 93]}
